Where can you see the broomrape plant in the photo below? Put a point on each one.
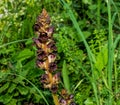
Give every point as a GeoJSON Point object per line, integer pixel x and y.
{"type": "Point", "coordinates": [46, 59]}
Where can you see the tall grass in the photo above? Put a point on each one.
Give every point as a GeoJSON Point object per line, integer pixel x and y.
{"type": "Point", "coordinates": [110, 52]}
{"type": "Point", "coordinates": [111, 48]}
{"type": "Point", "coordinates": [90, 54]}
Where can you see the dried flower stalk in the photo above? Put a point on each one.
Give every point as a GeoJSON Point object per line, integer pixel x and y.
{"type": "Point", "coordinates": [46, 53]}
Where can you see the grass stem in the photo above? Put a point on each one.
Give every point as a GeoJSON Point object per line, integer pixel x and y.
{"type": "Point", "coordinates": [55, 98]}
{"type": "Point", "coordinates": [110, 52]}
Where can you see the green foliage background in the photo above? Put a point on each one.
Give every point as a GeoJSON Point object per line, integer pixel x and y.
{"type": "Point", "coordinates": [19, 76]}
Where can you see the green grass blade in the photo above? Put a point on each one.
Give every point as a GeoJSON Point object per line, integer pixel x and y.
{"type": "Point", "coordinates": [17, 41]}
{"type": "Point", "coordinates": [114, 17]}
{"type": "Point", "coordinates": [110, 52]}
{"type": "Point", "coordinates": [116, 42]}
{"type": "Point", "coordinates": [115, 64]}
{"type": "Point", "coordinates": [65, 77]}
{"type": "Point", "coordinates": [78, 84]}
{"type": "Point", "coordinates": [117, 10]}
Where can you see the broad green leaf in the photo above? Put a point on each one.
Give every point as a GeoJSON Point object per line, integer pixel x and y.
{"type": "Point", "coordinates": [93, 7]}
{"type": "Point", "coordinates": [32, 90]}
{"type": "Point", "coordinates": [19, 80]}
{"type": "Point", "coordinates": [4, 87]}
{"type": "Point", "coordinates": [19, 66]}
{"type": "Point", "coordinates": [37, 97]}
{"type": "Point", "coordinates": [102, 58]}
{"type": "Point", "coordinates": [86, 35]}
{"type": "Point", "coordinates": [22, 90]}
{"type": "Point", "coordinates": [28, 67]}
{"type": "Point", "coordinates": [12, 87]}
{"type": "Point", "coordinates": [88, 101]}
{"type": "Point", "coordinates": [87, 2]}
{"type": "Point", "coordinates": [25, 54]}
{"type": "Point", "coordinates": [2, 74]}
{"type": "Point", "coordinates": [16, 94]}
{"type": "Point", "coordinates": [6, 98]}
{"type": "Point", "coordinates": [30, 41]}
{"type": "Point", "coordinates": [1, 99]}
{"type": "Point", "coordinates": [65, 77]}
{"type": "Point", "coordinates": [12, 102]}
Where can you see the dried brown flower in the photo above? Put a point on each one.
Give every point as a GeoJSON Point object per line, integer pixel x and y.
{"type": "Point", "coordinates": [46, 51]}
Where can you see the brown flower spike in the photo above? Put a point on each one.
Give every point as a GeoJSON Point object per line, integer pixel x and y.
{"type": "Point", "coordinates": [46, 51]}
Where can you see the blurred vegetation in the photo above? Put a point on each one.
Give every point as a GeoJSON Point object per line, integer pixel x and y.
{"type": "Point", "coordinates": [19, 76]}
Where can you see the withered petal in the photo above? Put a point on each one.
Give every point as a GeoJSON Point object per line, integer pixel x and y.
{"type": "Point", "coordinates": [37, 42]}
{"type": "Point", "coordinates": [50, 31]}
{"type": "Point", "coordinates": [62, 101]}
{"type": "Point", "coordinates": [51, 46]}
{"type": "Point", "coordinates": [39, 51]}
{"type": "Point", "coordinates": [72, 103]}
{"type": "Point", "coordinates": [42, 56]}
{"type": "Point", "coordinates": [54, 88]}
{"type": "Point", "coordinates": [56, 79]}
{"type": "Point", "coordinates": [43, 38]}
{"type": "Point", "coordinates": [45, 79]}
{"type": "Point", "coordinates": [71, 96]}
{"type": "Point", "coordinates": [36, 27]}
{"type": "Point", "coordinates": [40, 64]}
{"type": "Point", "coordinates": [51, 57]}
{"type": "Point", "coordinates": [52, 66]}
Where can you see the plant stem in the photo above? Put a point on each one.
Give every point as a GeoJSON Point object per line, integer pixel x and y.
{"type": "Point", "coordinates": [110, 53]}
{"type": "Point", "coordinates": [55, 98]}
